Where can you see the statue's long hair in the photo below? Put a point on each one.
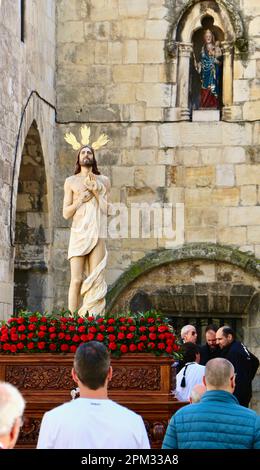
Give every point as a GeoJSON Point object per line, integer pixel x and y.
{"type": "Point", "coordinates": [95, 169]}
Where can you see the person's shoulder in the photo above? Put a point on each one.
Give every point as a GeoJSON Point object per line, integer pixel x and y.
{"type": "Point", "coordinates": [104, 179]}
{"type": "Point", "coordinates": [70, 179]}
{"type": "Point", "coordinates": [59, 410]}
{"type": "Point", "coordinates": [124, 411]}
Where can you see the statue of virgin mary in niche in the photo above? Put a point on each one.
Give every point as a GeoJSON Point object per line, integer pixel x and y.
{"type": "Point", "coordinates": [209, 68]}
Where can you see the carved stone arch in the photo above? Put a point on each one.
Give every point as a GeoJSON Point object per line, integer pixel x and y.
{"type": "Point", "coordinates": [226, 19]}
{"type": "Point", "coordinates": [228, 6]}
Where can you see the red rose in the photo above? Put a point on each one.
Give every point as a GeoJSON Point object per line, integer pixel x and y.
{"type": "Point", "coordinates": [21, 328]}
{"type": "Point", "coordinates": [100, 337]}
{"type": "Point", "coordinates": [22, 337]}
{"type": "Point", "coordinates": [150, 320]}
{"type": "Point", "coordinates": [13, 329]}
{"type": "Point", "coordinates": [169, 349]}
{"type": "Point", "coordinates": [53, 336]}
{"type": "Point", "coordinates": [41, 334]}
{"type": "Point", "coordinates": [132, 347]}
{"type": "Point", "coordinates": [143, 338]}
{"type": "Point", "coordinates": [33, 319]}
{"type": "Point", "coordinates": [176, 347]}
{"type": "Point", "coordinates": [110, 321]}
{"type": "Point", "coordinates": [100, 320]}
{"type": "Point", "coordinates": [30, 345]}
{"type": "Point", "coordinates": [129, 335]}
{"type": "Point", "coordinates": [130, 320]}
{"type": "Point", "coordinates": [81, 329]}
{"type": "Point", "coordinates": [121, 335]}
{"type": "Point", "coordinates": [43, 319]}
{"type": "Point", "coordinates": [31, 327]}
{"type": "Point", "coordinates": [161, 346]}
{"type": "Point", "coordinates": [72, 328]}
{"type": "Point", "coordinates": [41, 345]}
{"type": "Point", "coordinates": [123, 328]}
{"type": "Point", "coordinates": [162, 328]}
{"type": "Point", "coordinates": [122, 319]}
{"type": "Point", "coordinates": [30, 335]}
{"type": "Point", "coordinates": [112, 346]}
{"type": "Point", "coordinates": [110, 329]}
{"type": "Point", "coordinates": [13, 348]}
{"type": "Point", "coordinates": [161, 336]}
{"type": "Point", "coordinates": [102, 328]}
{"type": "Point", "coordinates": [64, 347]}
{"type": "Point", "coordinates": [12, 319]}
{"type": "Point", "coordinates": [73, 348]}
{"type": "Point", "coordinates": [140, 346]}
{"type": "Point", "coordinates": [14, 337]}
{"type": "Point", "coordinates": [151, 345]}
{"type": "Point", "coordinates": [80, 320]}
{"type": "Point", "coordinates": [152, 329]}
{"type": "Point", "coordinates": [142, 329]}
{"type": "Point", "coordinates": [91, 318]}
{"type": "Point", "coordinates": [132, 328]}
{"type": "Point", "coordinates": [111, 338]}
{"type": "Point", "coordinates": [63, 319]}
{"type": "Point", "coordinates": [75, 338]}
{"type": "Point", "coordinates": [84, 338]}
{"type": "Point", "coordinates": [6, 347]}
{"type": "Point", "coordinates": [61, 335]}
{"type": "Point", "coordinates": [52, 347]}
{"type": "Point", "coordinates": [43, 328]}
{"type": "Point", "coordinates": [91, 336]}
{"type": "Point", "coordinates": [4, 339]}
{"type": "Point", "coordinates": [92, 329]}
{"type": "Point", "coordinates": [20, 320]}
{"type": "Point", "coordinates": [123, 348]}
{"type": "Point", "coordinates": [152, 336]}
{"type": "Point", "coordinates": [67, 337]}
{"type": "Point", "coordinates": [63, 327]}
{"type": "Point", "coordinates": [52, 329]}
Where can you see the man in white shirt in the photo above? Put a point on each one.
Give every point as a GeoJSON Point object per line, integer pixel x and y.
{"type": "Point", "coordinates": [191, 374]}
{"type": "Point", "coordinates": [92, 421]}
{"type": "Point", "coordinates": [12, 407]}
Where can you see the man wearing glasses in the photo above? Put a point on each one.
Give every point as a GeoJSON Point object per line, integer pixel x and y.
{"type": "Point", "coordinates": [189, 334]}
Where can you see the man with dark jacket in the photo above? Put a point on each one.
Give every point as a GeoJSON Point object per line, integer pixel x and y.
{"type": "Point", "coordinates": [217, 421]}
{"type": "Point", "coordinates": [239, 356]}
{"type": "Point", "coordinates": [210, 350]}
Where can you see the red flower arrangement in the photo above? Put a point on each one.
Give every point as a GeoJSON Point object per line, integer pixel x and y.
{"type": "Point", "coordinates": [149, 332]}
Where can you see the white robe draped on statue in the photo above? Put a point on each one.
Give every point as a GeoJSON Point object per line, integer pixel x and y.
{"type": "Point", "coordinates": [84, 235]}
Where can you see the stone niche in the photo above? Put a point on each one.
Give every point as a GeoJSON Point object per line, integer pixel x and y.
{"type": "Point", "coordinates": [185, 42]}
{"type": "Point", "coordinates": [32, 228]}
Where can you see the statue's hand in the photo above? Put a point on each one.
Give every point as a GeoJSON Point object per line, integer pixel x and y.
{"type": "Point", "coordinates": [84, 196]}
{"type": "Point", "coordinates": [91, 182]}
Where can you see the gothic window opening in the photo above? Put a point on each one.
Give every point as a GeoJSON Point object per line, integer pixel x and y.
{"type": "Point", "coordinates": [22, 16]}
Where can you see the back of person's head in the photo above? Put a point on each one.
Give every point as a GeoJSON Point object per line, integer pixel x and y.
{"type": "Point", "coordinates": [185, 329]}
{"type": "Point", "coordinates": [218, 375]}
{"type": "Point", "coordinates": [190, 352]}
{"type": "Point", "coordinates": [91, 364]}
{"type": "Point", "coordinates": [197, 392]}
{"type": "Point", "coordinates": [12, 407]}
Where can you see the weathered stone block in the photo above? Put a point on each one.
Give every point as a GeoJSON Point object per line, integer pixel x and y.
{"type": "Point", "coordinates": [151, 73]}
{"type": "Point", "coordinates": [234, 155]}
{"type": "Point", "coordinates": [132, 28]}
{"type": "Point", "coordinates": [247, 174]}
{"type": "Point", "coordinates": [149, 136]}
{"type": "Point", "coordinates": [135, 8]}
{"type": "Point", "coordinates": [157, 12]}
{"type": "Point", "coordinates": [139, 157]}
{"type": "Point", "coordinates": [156, 29]}
{"type": "Point", "coordinates": [198, 197]}
{"type": "Point", "coordinates": [244, 216]}
{"type": "Point", "coordinates": [154, 114]}
{"type": "Point", "coordinates": [253, 233]}
{"type": "Point", "coordinates": [127, 73]}
{"type": "Point", "coordinates": [71, 31]}
{"type": "Point", "coordinates": [251, 110]}
{"type": "Point", "coordinates": [248, 195]}
{"type": "Point", "coordinates": [152, 176]}
{"type": "Point", "coordinates": [225, 197]}
{"type": "Point", "coordinates": [200, 234]}
{"type": "Point", "coordinates": [122, 93]}
{"type": "Point", "coordinates": [150, 52]}
{"type": "Point", "coordinates": [200, 176]}
{"type": "Point", "coordinates": [115, 52]}
{"type": "Point", "coordinates": [130, 52]}
{"type": "Point", "coordinates": [122, 176]}
{"type": "Point", "coordinates": [232, 235]}
{"type": "Point", "coordinates": [241, 90]}
{"type": "Point", "coordinates": [225, 175]}
{"type": "Point", "coordinates": [188, 157]}
{"type": "Point", "coordinates": [154, 94]}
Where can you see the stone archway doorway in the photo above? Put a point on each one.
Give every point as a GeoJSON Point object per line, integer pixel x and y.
{"type": "Point", "coordinates": [32, 228]}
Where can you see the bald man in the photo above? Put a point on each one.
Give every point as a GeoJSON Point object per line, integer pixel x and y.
{"type": "Point", "coordinates": [217, 421]}
{"type": "Point", "coordinates": [12, 407]}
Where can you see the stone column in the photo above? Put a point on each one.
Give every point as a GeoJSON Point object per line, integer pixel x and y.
{"type": "Point", "coordinates": [227, 77]}
{"type": "Point", "coordinates": [185, 50]}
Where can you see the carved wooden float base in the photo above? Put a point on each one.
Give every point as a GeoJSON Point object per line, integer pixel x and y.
{"type": "Point", "coordinates": [142, 382]}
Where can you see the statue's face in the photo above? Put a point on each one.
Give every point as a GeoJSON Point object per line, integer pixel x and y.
{"type": "Point", "coordinates": [208, 37]}
{"type": "Point", "coordinates": [86, 157]}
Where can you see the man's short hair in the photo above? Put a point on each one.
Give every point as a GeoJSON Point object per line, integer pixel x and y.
{"type": "Point", "coordinates": [12, 406]}
{"type": "Point", "coordinates": [211, 327]}
{"type": "Point", "coordinates": [91, 364]}
{"type": "Point", "coordinates": [226, 330]}
{"type": "Point", "coordinates": [189, 351]}
{"type": "Point", "coordinates": [218, 372]}
{"type": "Point", "coordinates": [185, 329]}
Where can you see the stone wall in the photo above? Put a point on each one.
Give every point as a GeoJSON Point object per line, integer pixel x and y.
{"type": "Point", "coordinates": [25, 66]}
